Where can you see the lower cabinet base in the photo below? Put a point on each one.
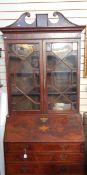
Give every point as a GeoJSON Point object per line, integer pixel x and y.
{"type": "Point", "coordinates": [35, 148]}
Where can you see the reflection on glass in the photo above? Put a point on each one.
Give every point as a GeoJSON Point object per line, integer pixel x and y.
{"type": "Point", "coordinates": [25, 76]}
{"type": "Point", "coordinates": [61, 50]}
{"type": "Point", "coordinates": [61, 76]}
{"type": "Point", "coordinates": [22, 50]}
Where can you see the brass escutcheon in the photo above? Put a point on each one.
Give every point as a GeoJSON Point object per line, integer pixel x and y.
{"type": "Point", "coordinates": [44, 119]}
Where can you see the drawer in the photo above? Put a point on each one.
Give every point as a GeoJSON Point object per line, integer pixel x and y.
{"type": "Point", "coordinates": [61, 147]}
{"type": "Point", "coordinates": [27, 168]}
{"type": "Point", "coordinates": [44, 156]}
{"type": "Point", "coordinates": [43, 169]}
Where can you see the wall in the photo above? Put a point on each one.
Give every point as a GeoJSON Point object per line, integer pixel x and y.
{"type": "Point", "coordinates": [3, 113]}
{"type": "Point", "coordinates": [75, 11]}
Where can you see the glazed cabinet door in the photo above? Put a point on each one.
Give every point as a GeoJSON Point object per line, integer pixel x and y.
{"type": "Point", "coordinates": [44, 75]}
{"type": "Point", "coordinates": [61, 78]}
{"type": "Point", "coordinates": [25, 66]}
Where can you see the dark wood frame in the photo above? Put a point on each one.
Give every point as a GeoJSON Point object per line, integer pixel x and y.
{"type": "Point", "coordinates": [78, 72]}
{"type": "Point", "coordinates": [8, 74]}
{"type": "Point", "coordinates": [20, 31]}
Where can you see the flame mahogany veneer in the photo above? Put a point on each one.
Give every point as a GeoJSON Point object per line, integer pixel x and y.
{"type": "Point", "coordinates": [57, 149]}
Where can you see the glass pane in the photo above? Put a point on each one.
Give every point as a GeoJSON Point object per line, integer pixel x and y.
{"type": "Point", "coordinates": [61, 76]}
{"type": "Point", "coordinates": [25, 76]}
{"type": "Point", "coordinates": [61, 50]}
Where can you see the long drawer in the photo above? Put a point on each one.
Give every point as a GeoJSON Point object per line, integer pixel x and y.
{"type": "Point", "coordinates": [43, 169]}
{"type": "Point", "coordinates": [44, 156]}
{"type": "Point", "coordinates": [60, 147]}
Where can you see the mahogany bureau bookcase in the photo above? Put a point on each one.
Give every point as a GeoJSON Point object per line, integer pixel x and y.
{"type": "Point", "coordinates": [44, 132]}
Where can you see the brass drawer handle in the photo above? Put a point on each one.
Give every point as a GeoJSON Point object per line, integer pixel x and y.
{"type": "Point", "coordinates": [25, 156]}
{"type": "Point", "coordinates": [63, 157]}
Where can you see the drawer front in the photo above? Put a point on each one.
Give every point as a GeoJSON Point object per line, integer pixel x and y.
{"type": "Point", "coordinates": [43, 169]}
{"type": "Point", "coordinates": [43, 156]}
{"type": "Point", "coordinates": [19, 157]}
{"type": "Point", "coordinates": [61, 147]}
{"type": "Point", "coordinates": [12, 169]}
{"type": "Point", "coordinates": [69, 157]}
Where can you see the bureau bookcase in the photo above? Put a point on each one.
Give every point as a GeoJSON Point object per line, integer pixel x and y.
{"type": "Point", "coordinates": [44, 132]}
